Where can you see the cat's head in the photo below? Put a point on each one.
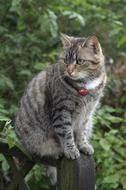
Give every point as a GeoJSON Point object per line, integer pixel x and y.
{"type": "Point", "coordinates": [82, 57]}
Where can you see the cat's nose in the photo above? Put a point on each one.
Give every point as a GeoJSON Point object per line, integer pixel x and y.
{"type": "Point", "coordinates": [71, 69]}
{"type": "Point", "coordinates": [70, 72]}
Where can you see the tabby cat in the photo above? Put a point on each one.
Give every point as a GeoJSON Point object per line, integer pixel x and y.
{"type": "Point", "coordinates": [56, 110]}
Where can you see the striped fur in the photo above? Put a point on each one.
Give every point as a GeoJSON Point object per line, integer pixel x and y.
{"type": "Point", "coordinates": [53, 118]}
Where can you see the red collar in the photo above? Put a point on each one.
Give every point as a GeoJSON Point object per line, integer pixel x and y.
{"type": "Point", "coordinates": [83, 91]}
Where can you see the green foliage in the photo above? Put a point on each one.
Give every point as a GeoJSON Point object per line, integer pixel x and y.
{"type": "Point", "coordinates": [37, 178]}
{"type": "Point", "coordinates": [29, 42]}
{"type": "Point", "coordinates": [4, 163]}
{"type": "Point", "coordinates": [106, 116]}
{"type": "Point", "coordinates": [46, 20]}
{"type": "Point", "coordinates": [3, 114]}
{"type": "Point", "coordinates": [6, 83]}
{"type": "Point", "coordinates": [109, 143]}
{"type": "Point", "coordinates": [75, 16]}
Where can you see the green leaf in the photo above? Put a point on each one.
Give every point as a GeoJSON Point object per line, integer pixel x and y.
{"type": "Point", "coordinates": [3, 111]}
{"type": "Point", "coordinates": [6, 82]}
{"type": "Point", "coordinates": [123, 181]}
{"type": "Point", "coordinates": [105, 144]}
{"type": "Point", "coordinates": [48, 23]}
{"type": "Point", "coordinates": [111, 178]}
{"type": "Point", "coordinates": [4, 118]}
{"type": "Point", "coordinates": [109, 109]}
{"type": "Point", "coordinates": [53, 23]}
{"type": "Point", "coordinates": [25, 72]}
{"type": "Point", "coordinates": [5, 165]}
{"type": "Point", "coordinates": [114, 119]}
{"type": "Point", "coordinates": [122, 41]}
{"type": "Point", "coordinates": [41, 66]}
{"type": "Point", "coordinates": [15, 5]}
{"type": "Point", "coordinates": [76, 16]}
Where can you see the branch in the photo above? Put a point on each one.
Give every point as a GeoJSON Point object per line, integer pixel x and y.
{"type": "Point", "coordinates": [4, 148]}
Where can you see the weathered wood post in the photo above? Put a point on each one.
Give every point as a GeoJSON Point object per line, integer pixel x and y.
{"type": "Point", "coordinates": [76, 174]}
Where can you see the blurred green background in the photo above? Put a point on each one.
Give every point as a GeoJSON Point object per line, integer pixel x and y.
{"type": "Point", "coordinates": [29, 42]}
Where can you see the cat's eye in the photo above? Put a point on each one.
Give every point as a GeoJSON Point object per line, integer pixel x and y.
{"type": "Point", "coordinates": [80, 61]}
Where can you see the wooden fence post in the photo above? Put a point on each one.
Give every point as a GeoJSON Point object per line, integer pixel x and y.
{"type": "Point", "coordinates": [76, 174]}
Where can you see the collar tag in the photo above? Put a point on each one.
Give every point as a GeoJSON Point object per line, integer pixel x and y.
{"type": "Point", "coordinates": [83, 91]}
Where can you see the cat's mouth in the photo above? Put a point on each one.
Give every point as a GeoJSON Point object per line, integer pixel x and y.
{"type": "Point", "coordinates": [75, 77]}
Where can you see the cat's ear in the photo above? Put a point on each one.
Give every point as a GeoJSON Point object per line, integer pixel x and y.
{"type": "Point", "coordinates": [66, 40]}
{"type": "Point", "coordinates": [92, 43]}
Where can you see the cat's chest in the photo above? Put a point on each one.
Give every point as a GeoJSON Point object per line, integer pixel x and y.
{"type": "Point", "coordinates": [83, 113]}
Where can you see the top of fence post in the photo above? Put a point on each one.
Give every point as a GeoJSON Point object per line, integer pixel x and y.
{"type": "Point", "coordinates": [76, 174]}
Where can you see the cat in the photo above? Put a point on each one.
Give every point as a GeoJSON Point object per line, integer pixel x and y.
{"type": "Point", "coordinates": [56, 110]}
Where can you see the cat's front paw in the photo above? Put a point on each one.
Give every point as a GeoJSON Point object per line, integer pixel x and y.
{"type": "Point", "coordinates": [87, 149]}
{"type": "Point", "coordinates": [72, 153]}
